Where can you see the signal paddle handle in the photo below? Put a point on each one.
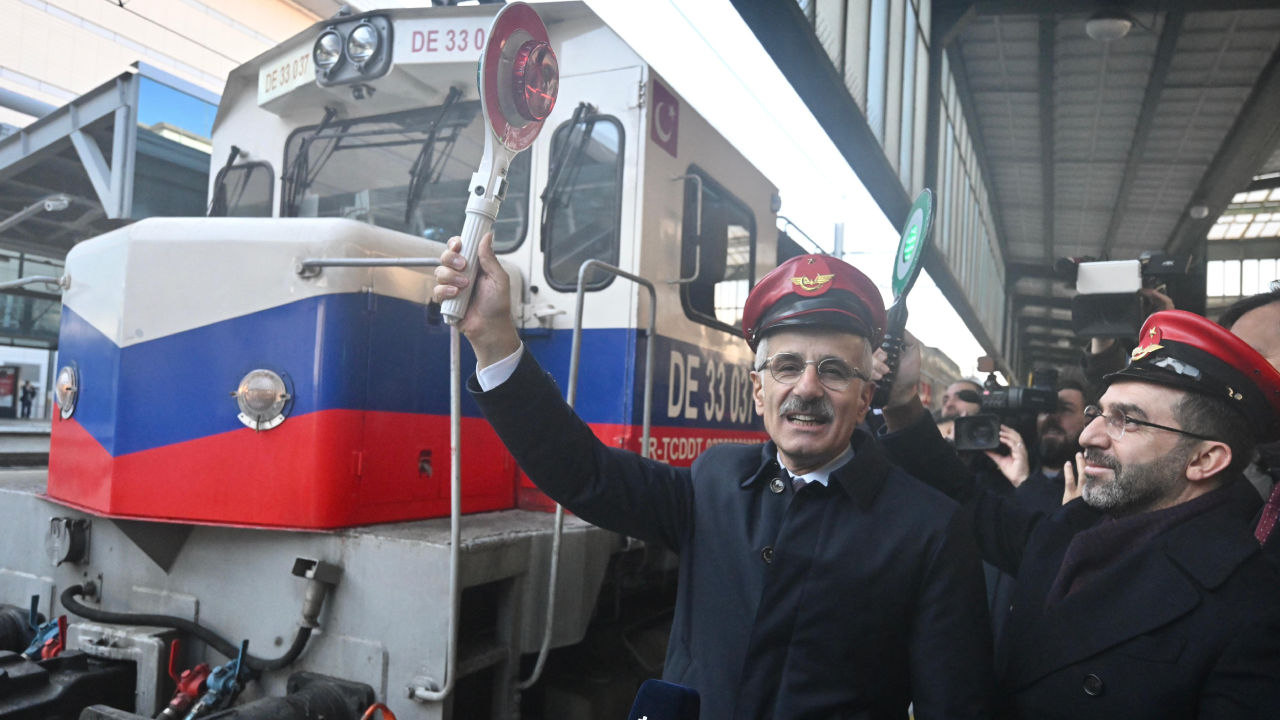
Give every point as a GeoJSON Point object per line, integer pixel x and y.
{"type": "Point", "coordinates": [894, 336]}
{"type": "Point", "coordinates": [488, 189]}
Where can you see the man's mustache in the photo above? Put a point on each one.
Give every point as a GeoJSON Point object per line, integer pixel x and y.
{"type": "Point", "coordinates": [1094, 456]}
{"type": "Point", "coordinates": [819, 407]}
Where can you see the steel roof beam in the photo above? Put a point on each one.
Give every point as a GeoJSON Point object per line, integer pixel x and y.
{"type": "Point", "coordinates": [1252, 140]}
{"type": "Point", "coordinates": [1086, 7]}
{"type": "Point", "coordinates": [1047, 23]}
{"type": "Point", "coordinates": [789, 38]}
{"type": "Point", "coordinates": [1057, 303]}
{"type": "Point", "coordinates": [1046, 321]}
{"type": "Point", "coordinates": [1165, 49]}
{"type": "Point", "coordinates": [48, 136]}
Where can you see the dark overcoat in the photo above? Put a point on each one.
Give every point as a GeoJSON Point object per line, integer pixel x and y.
{"type": "Point", "coordinates": [848, 601]}
{"type": "Point", "coordinates": [1189, 627]}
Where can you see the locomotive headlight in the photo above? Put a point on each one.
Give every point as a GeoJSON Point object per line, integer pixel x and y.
{"type": "Point", "coordinates": [67, 390]}
{"type": "Point", "coordinates": [362, 43]}
{"type": "Point", "coordinates": [536, 81]}
{"type": "Point", "coordinates": [262, 397]}
{"type": "Point", "coordinates": [328, 49]}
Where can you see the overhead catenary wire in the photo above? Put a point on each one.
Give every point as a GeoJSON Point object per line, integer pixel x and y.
{"type": "Point", "coordinates": [166, 28]}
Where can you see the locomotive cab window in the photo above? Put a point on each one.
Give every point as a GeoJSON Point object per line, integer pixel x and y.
{"type": "Point", "coordinates": [407, 171]}
{"type": "Point", "coordinates": [243, 191]}
{"type": "Point", "coordinates": [582, 207]}
{"type": "Point", "coordinates": [726, 242]}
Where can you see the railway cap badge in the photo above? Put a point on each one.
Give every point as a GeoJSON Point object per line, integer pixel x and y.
{"type": "Point", "coordinates": [814, 290]}
{"type": "Point", "coordinates": [1183, 350]}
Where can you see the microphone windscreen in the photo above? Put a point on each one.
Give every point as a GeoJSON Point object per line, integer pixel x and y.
{"type": "Point", "coordinates": [658, 700]}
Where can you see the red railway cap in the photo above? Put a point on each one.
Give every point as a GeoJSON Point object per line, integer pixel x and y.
{"type": "Point", "coordinates": [1183, 350]}
{"type": "Point", "coordinates": [814, 291]}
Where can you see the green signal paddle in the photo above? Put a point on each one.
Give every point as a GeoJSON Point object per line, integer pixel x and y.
{"type": "Point", "coordinates": [915, 244]}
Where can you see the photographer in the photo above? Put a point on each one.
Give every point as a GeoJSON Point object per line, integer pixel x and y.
{"type": "Point", "coordinates": [1106, 355]}
{"type": "Point", "coordinates": [1059, 442]}
{"type": "Point", "coordinates": [1148, 597]}
{"type": "Point", "coordinates": [962, 398]}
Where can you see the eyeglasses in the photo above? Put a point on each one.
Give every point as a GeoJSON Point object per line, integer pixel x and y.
{"type": "Point", "coordinates": [833, 373]}
{"type": "Point", "coordinates": [1117, 422]}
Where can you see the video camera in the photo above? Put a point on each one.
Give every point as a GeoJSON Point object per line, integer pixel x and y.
{"type": "Point", "coordinates": [1107, 303]}
{"type": "Point", "coordinates": [1006, 405]}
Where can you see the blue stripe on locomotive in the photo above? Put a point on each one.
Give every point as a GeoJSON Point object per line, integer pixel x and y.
{"type": "Point", "coordinates": [336, 351]}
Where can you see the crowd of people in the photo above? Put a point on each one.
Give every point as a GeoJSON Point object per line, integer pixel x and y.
{"type": "Point", "coordinates": [837, 572]}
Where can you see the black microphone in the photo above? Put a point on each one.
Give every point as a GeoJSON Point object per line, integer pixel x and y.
{"type": "Point", "coordinates": [658, 700]}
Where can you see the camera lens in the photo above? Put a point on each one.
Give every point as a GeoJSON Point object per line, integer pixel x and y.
{"type": "Point", "coordinates": [977, 432]}
{"type": "Point", "coordinates": [982, 435]}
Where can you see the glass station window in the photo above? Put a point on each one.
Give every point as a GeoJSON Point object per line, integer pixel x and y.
{"type": "Point", "coordinates": [583, 205]}
{"type": "Point", "coordinates": [243, 191]}
{"type": "Point", "coordinates": [407, 171]}
{"type": "Point", "coordinates": [726, 242]}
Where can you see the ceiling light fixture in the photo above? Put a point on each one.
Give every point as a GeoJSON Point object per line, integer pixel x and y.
{"type": "Point", "coordinates": [1109, 24]}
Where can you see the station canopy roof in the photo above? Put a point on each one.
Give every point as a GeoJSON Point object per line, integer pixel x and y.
{"type": "Point", "coordinates": [1109, 149]}
{"type": "Point", "coordinates": [137, 146]}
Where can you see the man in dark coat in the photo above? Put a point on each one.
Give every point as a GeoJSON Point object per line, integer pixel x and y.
{"type": "Point", "coordinates": [1256, 320]}
{"type": "Point", "coordinates": [1148, 597]}
{"type": "Point", "coordinates": [816, 580]}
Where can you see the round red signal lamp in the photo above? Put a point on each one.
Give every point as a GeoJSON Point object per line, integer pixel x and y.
{"type": "Point", "coordinates": [537, 80]}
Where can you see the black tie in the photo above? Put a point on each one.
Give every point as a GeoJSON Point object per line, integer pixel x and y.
{"type": "Point", "coordinates": [798, 483]}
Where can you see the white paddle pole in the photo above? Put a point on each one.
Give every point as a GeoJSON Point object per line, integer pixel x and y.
{"type": "Point", "coordinates": [488, 189]}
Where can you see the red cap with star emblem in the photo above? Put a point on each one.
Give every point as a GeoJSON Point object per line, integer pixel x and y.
{"type": "Point", "coordinates": [1183, 350]}
{"type": "Point", "coordinates": [814, 290]}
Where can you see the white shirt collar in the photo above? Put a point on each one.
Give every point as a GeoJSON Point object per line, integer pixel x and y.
{"type": "Point", "coordinates": [823, 474]}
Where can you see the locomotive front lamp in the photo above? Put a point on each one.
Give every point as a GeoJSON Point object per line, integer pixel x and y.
{"type": "Point", "coordinates": [328, 49]}
{"type": "Point", "coordinates": [67, 390]}
{"type": "Point", "coordinates": [262, 397]}
{"type": "Point", "coordinates": [362, 43]}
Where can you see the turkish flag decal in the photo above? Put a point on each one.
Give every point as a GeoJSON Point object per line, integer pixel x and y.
{"type": "Point", "coordinates": [664, 125]}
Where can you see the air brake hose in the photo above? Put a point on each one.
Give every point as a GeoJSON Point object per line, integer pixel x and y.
{"type": "Point", "coordinates": [211, 638]}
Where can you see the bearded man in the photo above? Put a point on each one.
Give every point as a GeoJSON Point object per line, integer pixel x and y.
{"type": "Point", "coordinates": [1059, 433]}
{"type": "Point", "coordinates": [816, 580]}
{"type": "Point", "coordinates": [1148, 597]}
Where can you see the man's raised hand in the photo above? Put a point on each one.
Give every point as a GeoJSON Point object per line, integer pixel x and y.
{"type": "Point", "coordinates": [487, 323]}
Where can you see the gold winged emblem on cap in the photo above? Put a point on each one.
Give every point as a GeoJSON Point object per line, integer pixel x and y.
{"type": "Point", "coordinates": [813, 283]}
{"type": "Point", "coordinates": [1153, 343]}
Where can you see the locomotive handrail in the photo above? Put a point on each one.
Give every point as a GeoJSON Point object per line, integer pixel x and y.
{"type": "Point", "coordinates": [62, 282]}
{"type": "Point", "coordinates": [429, 690]}
{"type": "Point", "coordinates": [311, 267]}
{"type": "Point", "coordinates": [698, 216]}
{"type": "Point", "coordinates": [572, 396]}
{"type": "Point", "coordinates": [697, 268]}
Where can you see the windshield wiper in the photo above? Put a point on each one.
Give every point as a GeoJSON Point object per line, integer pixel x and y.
{"type": "Point", "coordinates": [566, 163]}
{"type": "Point", "coordinates": [218, 206]}
{"type": "Point", "coordinates": [295, 180]}
{"type": "Point", "coordinates": [429, 164]}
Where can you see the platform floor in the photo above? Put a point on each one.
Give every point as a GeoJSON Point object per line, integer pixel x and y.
{"type": "Point", "coordinates": [24, 443]}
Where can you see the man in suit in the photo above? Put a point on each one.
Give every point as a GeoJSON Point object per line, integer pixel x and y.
{"type": "Point", "coordinates": [816, 580]}
{"type": "Point", "coordinates": [1148, 597]}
